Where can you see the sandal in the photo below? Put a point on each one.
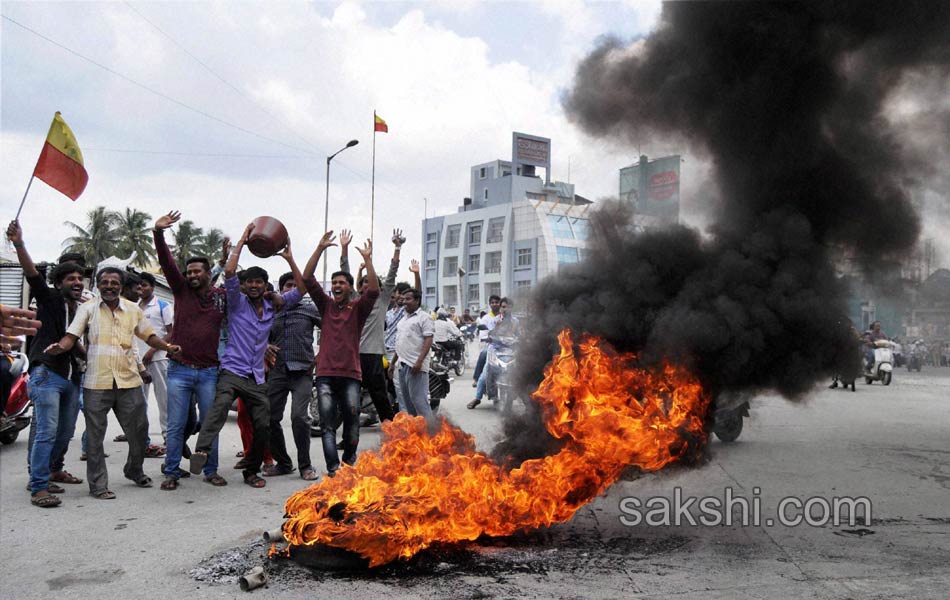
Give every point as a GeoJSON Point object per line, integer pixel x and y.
{"type": "Point", "coordinates": [309, 474]}
{"type": "Point", "coordinates": [170, 484]}
{"type": "Point", "coordinates": [64, 477]}
{"type": "Point", "coordinates": [276, 470]}
{"type": "Point", "coordinates": [154, 451]}
{"type": "Point", "coordinates": [255, 481]}
{"type": "Point", "coordinates": [46, 500]}
{"type": "Point", "coordinates": [144, 481]}
{"type": "Point", "coordinates": [197, 462]}
{"type": "Point", "coordinates": [103, 495]}
{"type": "Point", "coordinates": [473, 404]}
{"type": "Point", "coordinates": [216, 480]}
{"type": "Point", "coordinates": [52, 489]}
{"type": "Point", "coordinates": [242, 464]}
{"type": "Point", "coordinates": [120, 438]}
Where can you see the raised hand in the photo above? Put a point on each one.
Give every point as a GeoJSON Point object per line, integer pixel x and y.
{"type": "Point", "coordinates": [327, 240]}
{"type": "Point", "coordinates": [225, 247]}
{"type": "Point", "coordinates": [166, 221]}
{"type": "Point", "coordinates": [414, 266]}
{"type": "Point", "coordinates": [15, 233]}
{"type": "Point", "coordinates": [366, 251]}
{"type": "Point", "coordinates": [398, 239]}
{"type": "Point", "coordinates": [346, 236]}
{"type": "Point", "coordinates": [285, 253]}
{"type": "Point", "coordinates": [247, 233]}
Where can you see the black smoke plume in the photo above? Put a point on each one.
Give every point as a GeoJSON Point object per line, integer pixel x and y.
{"type": "Point", "coordinates": [788, 102]}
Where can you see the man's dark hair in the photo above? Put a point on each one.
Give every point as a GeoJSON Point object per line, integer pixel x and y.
{"type": "Point", "coordinates": [131, 280]}
{"type": "Point", "coordinates": [284, 278]}
{"type": "Point", "coordinates": [269, 287]}
{"type": "Point", "coordinates": [108, 270]}
{"type": "Point", "coordinates": [344, 274]}
{"type": "Point", "coordinates": [505, 300]}
{"type": "Point", "coordinates": [494, 297]}
{"type": "Point", "coordinates": [402, 286]}
{"type": "Point", "coordinates": [416, 294]}
{"type": "Point", "coordinates": [74, 257]}
{"type": "Point", "coordinates": [255, 273]}
{"type": "Point", "coordinates": [61, 270]}
{"type": "Point", "coordinates": [148, 278]}
{"type": "Point", "coordinates": [199, 259]}
{"type": "Point", "coordinates": [242, 276]}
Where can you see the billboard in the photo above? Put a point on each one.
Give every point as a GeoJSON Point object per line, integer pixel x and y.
{"type": "Point", "coordinates": [653, 186]}
{"type": "Point", "coordinates": [531, 150]}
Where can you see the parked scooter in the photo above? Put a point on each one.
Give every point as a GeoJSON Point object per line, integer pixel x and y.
{"type": "Point", "coordinates": [16, 413]}
{"type": "Point", "coordinates": [915, 356]}
{"type": "Point", "coordinates": [883, 367]}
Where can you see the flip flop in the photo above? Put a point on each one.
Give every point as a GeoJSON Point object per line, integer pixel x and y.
{"type": "Point", "coordinates": [144, 481]}
{"type": "Point", "coordinates": [275, 471]}
{"type": "Point", "coordinates": [309, 474]}
{"type": "Point", "coordinates": [255, 481]}
{"type": "Point", "coordinates": [170, 484]}
{"type": "Point", "coordinates": [216, 480]}
{"type": "Point", "coordinates": [197, 462]}
{"type": "Point", "coordinates": [103, 495]}
{"type": "Point", "coordinates": [64, 477]}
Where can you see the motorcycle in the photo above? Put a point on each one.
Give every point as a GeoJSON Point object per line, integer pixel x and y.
{"type": "Point", "coordinates": [440, 383]}
{"type": "Point", "coordinates": [500, 363]}
{"type": "Point", "coordinates": [15, 415]}
{"type": "Point", "coordinates": [728, 419]}
{"type": "Point", "coordinates": [451, 358]}
{"type": "Point", "coordinates": [915, 356]}
{"type": "Point", "coordinates": [883, 367]}
{"type": "Point", "coordinates": [469, 331]}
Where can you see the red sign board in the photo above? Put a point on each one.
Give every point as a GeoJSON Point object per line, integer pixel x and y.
{"type": "Point", "coordinates": [663, 185]}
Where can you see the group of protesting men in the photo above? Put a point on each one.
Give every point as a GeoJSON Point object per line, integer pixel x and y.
{"type": "Point", "coordinates": [214, 346]}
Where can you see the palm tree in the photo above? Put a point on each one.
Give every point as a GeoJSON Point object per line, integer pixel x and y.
{"type": "Point", "coordinates": [211, 244]}
{"type": "Point", "coordinates": [97, 239]}
{"type": "Point", "coordinates": [134, 235]}
{"type": "Point", "coordinates": [187, 242]}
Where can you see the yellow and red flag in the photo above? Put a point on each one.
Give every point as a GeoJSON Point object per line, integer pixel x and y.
{"type": "Point", "coordinates": [379, 124]}
{"type": "Point", "coordinates": [60, 164]}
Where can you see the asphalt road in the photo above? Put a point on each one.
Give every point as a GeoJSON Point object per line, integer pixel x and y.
{"type": "Point", "coordinates": [889, 445]}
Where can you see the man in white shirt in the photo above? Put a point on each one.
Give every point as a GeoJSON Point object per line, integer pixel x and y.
{"type": "Point", "coordinates": [410, 366]}
{"type": "Point", "coordinates": [160, 315]}
{"type": "Point", "coordinates": [485, 324]}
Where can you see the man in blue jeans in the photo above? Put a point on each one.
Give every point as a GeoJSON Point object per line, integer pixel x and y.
{"type": "Point", "coordinates": [54, 380]}
{"type": "Point", "coordinates": [338, 362]}
{"type": "Point", "coordinates": [199, 308]}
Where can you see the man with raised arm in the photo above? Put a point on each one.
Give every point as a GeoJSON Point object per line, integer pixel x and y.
{"type": "Point", "coordinates": [250, 315]}
{"type": "Point", "coordinates": [338, 361]}
{"type": "Point", "coordinates": [199, 310]}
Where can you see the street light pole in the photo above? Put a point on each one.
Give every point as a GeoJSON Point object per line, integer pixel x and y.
{"type": "Point", "coordinates": [326, 203]}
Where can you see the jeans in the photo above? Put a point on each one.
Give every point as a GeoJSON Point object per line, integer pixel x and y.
{"type": "Point", "coordinates": [486, 383]}
{"type": "Point", "coordinates": [183, 383]}
{"type": "Point", "coordinates": [128, 404]}
{"type": "Point", "coordinates": [343, 394]}
{"type": "Point", "coordinates": [374, 380]}
{"type": "Point", "coordinates": [159, 372]}
{"type": "Point", "coordinates": [298, 384]}
{"type": "Point", "coordinates": [480, 365]}
{"type": "Point", "coordinates": [55, 409]}
{"type": "Point", "coordinates": [415, 391]}
{"type": "Point", "coordinates": [230, 386]}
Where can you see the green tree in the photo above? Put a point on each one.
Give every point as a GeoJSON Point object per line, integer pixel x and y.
{"type": "Point", "coordinates": [187, 242]}
{"type": "Point", "coordinates": [134, 234]}
{"type": "Point", "coordinates": [97, 239]}
{"type": "Point", "coordinates": [211, 244]}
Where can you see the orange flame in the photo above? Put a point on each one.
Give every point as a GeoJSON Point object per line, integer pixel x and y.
{"type": "Point", "coordinates": [421, 488]}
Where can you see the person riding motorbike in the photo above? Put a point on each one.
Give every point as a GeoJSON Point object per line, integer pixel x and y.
{"type": "Point", "coordinates": [870, 336]}
{"type": "Point", "coordinates": [507, 327]}
{"type": "Point", "coordinates": [447, 336]}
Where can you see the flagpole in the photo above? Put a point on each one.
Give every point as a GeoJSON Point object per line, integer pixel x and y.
{"type": "Point", "coordinates": [372, 194]}
{"type": "Point", "coordinates": [22, 202]}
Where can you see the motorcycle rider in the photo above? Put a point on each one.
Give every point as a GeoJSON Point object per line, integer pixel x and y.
{"type": "Point", "coordinates": [506, 325]}
{"type": "Point", "coordinates": [870, 337]}
{"type": "Point", "coordinates": [447, 335]}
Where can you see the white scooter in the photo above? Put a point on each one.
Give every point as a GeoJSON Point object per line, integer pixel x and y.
{"type": "Point", "coordinates": [883, 366]}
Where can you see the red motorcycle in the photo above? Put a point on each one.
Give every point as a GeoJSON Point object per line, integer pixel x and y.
{"type": "Point", "coordinates": [16, 402]}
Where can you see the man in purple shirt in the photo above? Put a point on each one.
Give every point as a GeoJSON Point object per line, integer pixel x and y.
{"type": "Point", "coordinates": [250, 315]}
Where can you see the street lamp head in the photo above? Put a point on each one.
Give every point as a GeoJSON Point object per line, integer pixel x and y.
{"type": "Point", "coordinates": [352, 143]}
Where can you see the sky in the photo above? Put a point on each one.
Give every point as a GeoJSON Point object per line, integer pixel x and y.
{"type": "Point", "coordinates": [227, 110]}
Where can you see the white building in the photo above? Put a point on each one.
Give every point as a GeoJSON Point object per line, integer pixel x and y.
{"type": "Point", "coordinates": [515, 229]}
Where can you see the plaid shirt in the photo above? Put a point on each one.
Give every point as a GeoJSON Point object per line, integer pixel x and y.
{"type": "Point", "coordinates": [109, 349]}
{"type": "Point", "coordinates": [292, 332]}
{"type": "Point", "coordinates": [393, 316]}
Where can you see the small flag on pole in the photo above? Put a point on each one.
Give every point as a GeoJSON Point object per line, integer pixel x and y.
{"type": "Point", "coordinates": [379, 124]}
{"type": "Point", "coordinates": [60, 164]}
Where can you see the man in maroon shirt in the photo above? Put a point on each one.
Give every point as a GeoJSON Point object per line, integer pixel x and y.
{"type": "Point", "coordinates": [199, 310]}
{"type": "Point", "coordinates": [338, 362]}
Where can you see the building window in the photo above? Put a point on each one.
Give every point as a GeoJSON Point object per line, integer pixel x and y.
{"type": "Point", "coordinates": [432, 236]}
{"type": "Point", "coordinates": [524, 257]}
{"type": "Point", "coordinates": [430, 263]}
{"type": "Point", "coordinates": [452, 236]}
{"type": "Point", "coordinates": [566, 255]}
{"type": "Point", "coordinates": [482, 173]}
{"type": "Point", "coordinates": [450, 266]}
{"type": "Point", "coordinates": [474, 262]}
{"type": "Point", "coordinates": [581, 228]}
{"type": "Point", "coordinates": [450, 295]}
{"type": "Point", "coordinates": [473, 293]}
{"type": "Point", "coordinates": [430, 291]}
{"type": "Point", "coordinates": [560, 227]}
{"type": "Point", "coordinates": [492, 289]}
{"type": "Point", "coordinates": [496, 229]}
{"type": "Point", "coordinates": [485, 193]}
{"type": "Point", "coordinates": [475, 233]}
{"type": "Point", "coordinates": [493, 262]}
{"type": "Point", "coordinates": [522, 286]}
{"type": "Point", "coordinates": [534, 196]}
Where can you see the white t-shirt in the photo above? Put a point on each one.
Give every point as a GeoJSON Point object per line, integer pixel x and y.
{"type": "Point", "coordinates": [445, 330]}
{"type": "Point", "coordinates": [489, 321]}
{"type": "Point", "coordinates": [160, 316]}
